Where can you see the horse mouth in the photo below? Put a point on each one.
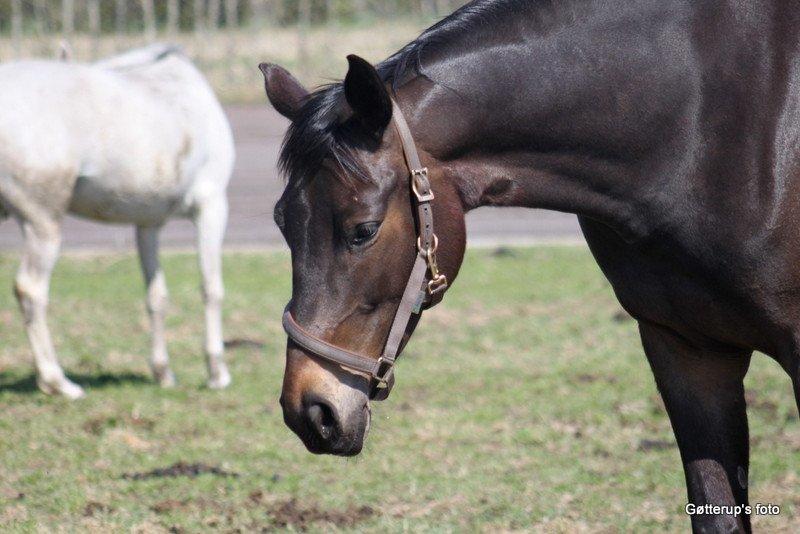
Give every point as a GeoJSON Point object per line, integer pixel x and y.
{"type": "Point", "coordinates": [339, 442]}
{"type": "Point", "coordinates": [340, 447]}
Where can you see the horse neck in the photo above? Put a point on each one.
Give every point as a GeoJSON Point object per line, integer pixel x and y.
{"type": "Point", "coordinates": [574, 120]}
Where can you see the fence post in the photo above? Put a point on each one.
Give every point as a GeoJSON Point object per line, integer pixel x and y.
{"type": "Point", "coordinates": [213, 14]}
{"type": "Point", "coordinates": [149, 12]}
{"type": "Point", "coordinates": [199, 16]}
{"type": "Point", "coordinates": [67, 17]}
{"type": "Point", "coordinates": [40, 14]}
{"type": "Point", "coordinates": [173, 16]}
{"type": "Point", "coordinates": [303, 23]}
{"type": "Point", "coordinates": [121, 16]}
{"type": "Point", "coordinates": [261, 13]}
{"type": "Point", "coordinates": [231, 14]}
{"type": "Point", "coordinates": [330, 11]}
{"type": "Point", "coordinates": [16, 26]}
{"type": "Point", "coordinates": [361, 8]}
{"type": "Point", "coordinates": [93, 12]}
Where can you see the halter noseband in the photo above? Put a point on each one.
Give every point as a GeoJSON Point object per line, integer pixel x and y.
{"type": "Point", "coordinates": [418, 289]}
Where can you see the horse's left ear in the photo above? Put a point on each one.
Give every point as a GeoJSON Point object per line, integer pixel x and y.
{"type": "Point", "coordinates": [367, 95]}
{"type": "Point", "coordinates": [283, 90]}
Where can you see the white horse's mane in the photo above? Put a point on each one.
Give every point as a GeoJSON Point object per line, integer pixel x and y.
{"type": "Point", "coordinates": [163, 68]}
{"type": "Point", "coordinates": [140, 57]}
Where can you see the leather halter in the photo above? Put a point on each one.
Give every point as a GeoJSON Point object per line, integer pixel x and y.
{"type": "Point", "coordinates": [418, 293]}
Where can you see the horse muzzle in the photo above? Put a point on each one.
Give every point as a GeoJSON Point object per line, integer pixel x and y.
{"type": "Point", "coordinates": [323, 429]}
{"type": "Point", "coordinates": [326, 407]}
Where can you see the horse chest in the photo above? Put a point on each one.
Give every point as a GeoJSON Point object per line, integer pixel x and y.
{"type": "Point", "coordinates": [668, 288]}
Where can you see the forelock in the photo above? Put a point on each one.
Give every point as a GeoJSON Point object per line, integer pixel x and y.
{"type": "Point", "coordinates": [320, 132]}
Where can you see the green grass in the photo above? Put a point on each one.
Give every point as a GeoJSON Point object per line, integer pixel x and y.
{"type": "Point", "coordinates": [522, 404]}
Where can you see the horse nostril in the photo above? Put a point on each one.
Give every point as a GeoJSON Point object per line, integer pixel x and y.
{"type": "Point", "coordinates": [322, 419]}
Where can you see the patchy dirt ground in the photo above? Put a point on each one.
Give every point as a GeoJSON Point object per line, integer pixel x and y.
{"type": "Point", "coordinates": [523, 403]}
{"type": "Point", "coordinates": [181, 469]}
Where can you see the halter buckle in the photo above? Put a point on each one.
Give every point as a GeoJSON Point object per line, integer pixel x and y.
{"type": "Point", "coordinates": [416, 176]}
{"type": "Point", "coordinates": [382, 376]}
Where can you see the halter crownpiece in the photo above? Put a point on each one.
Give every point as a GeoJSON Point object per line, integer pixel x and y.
{"type": "Point", "coordinates": [419, 290]}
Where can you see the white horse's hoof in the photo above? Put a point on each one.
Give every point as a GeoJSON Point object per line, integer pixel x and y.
{"type": "Point", "coordinates": [165, 378]}
{"type": "Point", "coordinates": [221, 381]}
{"type": "Point", "coordinates": [63, 387]}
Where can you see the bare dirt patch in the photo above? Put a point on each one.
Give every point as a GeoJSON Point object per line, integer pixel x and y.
{"type": "Point", "coordinates": [284, 514]}
{"type": "Point", "coordinates": [168, 505]}
{"type": "Point", "coordinates": [621, 316]}
{"type": "Point", "coordinates": [655, 445]}
{"type": "Point", "coordinates": [239, 342]}
{"type": "Point", "coordinates": [181, 469]}
{"type": "Point", "coordinates": [587, 378]}
{"type": "Point", "coordinates": [97, 425]}
{"type": "Point", "coordinates": [754, 400]}
{"type": "Point", "coordinates": [94, 508]}
{"type": "Point", "coordinates": [290, 513]}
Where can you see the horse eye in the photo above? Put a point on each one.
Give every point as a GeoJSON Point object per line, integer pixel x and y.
{"type": "Point", "coordinates": [363, 233]}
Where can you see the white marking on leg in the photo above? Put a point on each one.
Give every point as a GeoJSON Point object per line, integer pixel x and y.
{"type": "Point", "coordinates": [32, 287]}
{"type": "Point", "coordinates": [211, 218]}
{"type": "Point", "coordinates": [157, 297]}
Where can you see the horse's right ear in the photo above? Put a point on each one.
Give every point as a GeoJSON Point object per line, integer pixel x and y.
{"type": "Point", "coordinates": [367, 95]}
{"type": "Point", "coordinates": [283, 90]}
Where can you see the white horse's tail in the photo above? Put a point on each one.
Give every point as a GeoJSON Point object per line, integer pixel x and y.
{"type": "Point", "coordinates": [140, 57]}
{"type": "Point", "coordinates": [65, 51]}
{"type": "Point", "coordinates": [4, 203]}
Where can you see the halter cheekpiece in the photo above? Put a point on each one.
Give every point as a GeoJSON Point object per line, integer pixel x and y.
{"type": "Point", "coordinates": [424, 282]}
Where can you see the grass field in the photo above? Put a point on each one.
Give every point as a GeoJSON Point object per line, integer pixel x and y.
{"type": "Point", "coordinates": [523, 403]}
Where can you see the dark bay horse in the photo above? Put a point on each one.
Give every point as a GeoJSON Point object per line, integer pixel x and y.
{"type": "Point", "coordinates": [671, 127]}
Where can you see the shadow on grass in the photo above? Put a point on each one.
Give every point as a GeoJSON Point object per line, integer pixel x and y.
{"type": "Point", "coordinates": [237, 342]}
{"type": "Point", "coordinates": [27, 384]}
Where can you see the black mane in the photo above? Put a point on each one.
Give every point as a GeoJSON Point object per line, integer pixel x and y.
{"type": "Point", "coordinates": [318, 132]}
{"type": "Point", "coordinates": [470, 19]}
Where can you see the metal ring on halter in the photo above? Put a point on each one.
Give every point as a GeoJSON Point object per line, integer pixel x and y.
{"type": "Point", "coordinates": [429, 251]}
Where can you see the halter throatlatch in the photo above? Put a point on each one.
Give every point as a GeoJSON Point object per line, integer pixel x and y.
{"type": "Point", "coordinates": [420, 287]}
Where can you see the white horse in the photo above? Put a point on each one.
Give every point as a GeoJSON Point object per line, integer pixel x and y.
{"type": "Point", "coordinates": [137, 138]}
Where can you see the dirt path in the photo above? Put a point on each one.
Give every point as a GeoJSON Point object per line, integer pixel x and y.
{"type": "Point", "coordinates": [256, 186]}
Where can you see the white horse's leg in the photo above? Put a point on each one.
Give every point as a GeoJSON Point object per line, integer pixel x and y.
{"type": "Point", "coordinates": [32, 287]}
{"type": "Point", "coordinates": [211, 218]}
{"type": "Point", "coordinates": [156, 287]}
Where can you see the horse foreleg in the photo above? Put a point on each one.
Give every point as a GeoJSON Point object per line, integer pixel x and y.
{"type": "Point", "coordinates": [32, 287]}
{"type": "Point", "coordinates": [794, 372]}
{"type": "Point", "coordinates": [157, 296]}
{"type": "Point", "coordinates": [704, 395]}
{"type": "Point", "coordinates": [211, 218]}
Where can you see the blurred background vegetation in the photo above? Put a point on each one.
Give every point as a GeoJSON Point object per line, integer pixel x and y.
{"type": "Point", "coordinates": [227, 38]}
{"type": "Point", "coordinates": [115, 16]}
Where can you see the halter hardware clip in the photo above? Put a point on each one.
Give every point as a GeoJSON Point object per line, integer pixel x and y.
{"type": "Point", "coordinates": [438, 281]}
